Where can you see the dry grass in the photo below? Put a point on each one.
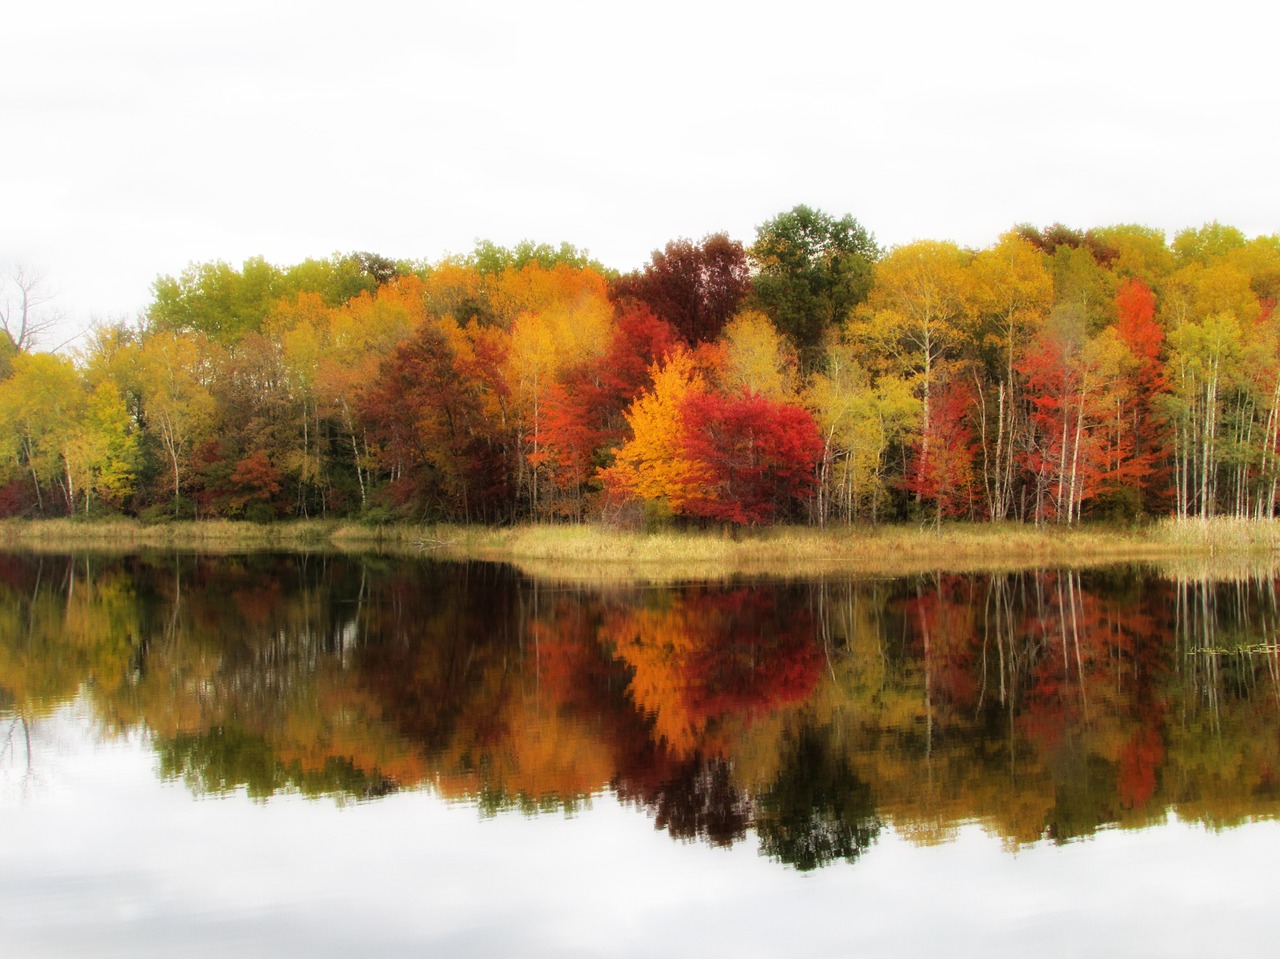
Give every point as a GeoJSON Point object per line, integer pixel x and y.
{"type": "Point", "coordinates": [593, 553]}
{"type": "Point", "coordinates": [590, 553]}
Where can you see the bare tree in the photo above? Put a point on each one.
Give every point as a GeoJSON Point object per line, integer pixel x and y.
{"type": "Point", "coordinates": [24, 312]}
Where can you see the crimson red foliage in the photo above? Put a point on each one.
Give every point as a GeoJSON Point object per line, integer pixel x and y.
{"type": "Point", "coordinates": [694, 287]}
{"type": "Point", "coordinates": [583, 414]}
{"type": "Point", "coordinates": [755, 455]}
{"type": "Point", "coordinates": [942, 460]}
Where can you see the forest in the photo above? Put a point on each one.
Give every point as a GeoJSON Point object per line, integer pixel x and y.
{"type": "Point", "coordinates": [1056, 376]}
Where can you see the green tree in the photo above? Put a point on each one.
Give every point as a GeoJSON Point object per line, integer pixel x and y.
{"type": "Point", "coordinates": [817, 810]}
{"type": "Point", "coordinates": [811, 271]}
{"type": "Point", "coordinates": [489, 258]}
{"type": "Point", "coordinates": [216, 299]}
{"type": "Point", "coordinates": [1211, 241]}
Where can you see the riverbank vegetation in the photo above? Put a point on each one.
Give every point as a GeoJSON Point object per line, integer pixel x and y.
{"type": "Point", "coordinates": [586, 552]}
{"type": "Point", "coordinates": [1055, 377]}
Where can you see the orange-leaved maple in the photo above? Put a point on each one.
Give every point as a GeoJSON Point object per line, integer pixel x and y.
{"type": "Point", "coordinates": [652, 465]}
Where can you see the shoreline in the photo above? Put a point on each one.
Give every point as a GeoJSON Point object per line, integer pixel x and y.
{"type": "Point", "coordinates": [591, 553]}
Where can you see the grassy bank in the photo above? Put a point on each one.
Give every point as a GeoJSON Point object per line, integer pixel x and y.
{"type": "Point", "coordinates": [589, 552]}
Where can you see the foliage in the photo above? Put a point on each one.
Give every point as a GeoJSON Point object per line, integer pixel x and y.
{"type": "Point", "coordinates": [811, 271]}
{"type": "Point", "coordinates": [752, 456]}
{"type": "Point", "coordinates": [694, 287]}
{"type": "Point", "coordinates": [1107, 374]}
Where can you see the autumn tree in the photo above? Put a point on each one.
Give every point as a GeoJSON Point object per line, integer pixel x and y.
{"type": "Point", "coordinates": [1082, 287]}
{"type": "Point", "coordinates": [753, 456]}
{"type": "Point", "coordinates": [41, 404]}
{"type": "Point", "coordinates": [8, 350]}
{"type": "Point", "coordinates": [1074, 383]}
{"type": "Point", "coordinates": [915, 320]}
{"type": "Point", "coordinates": [354, 341]}
{"type": "Point", "coordinates": [757, 359]}
{"type": "Point", "coordinates": [1011, 295]}
{"type": "Point", "coordinates": [1141, 253]}
{"type": "Point", "coordinates": [861, 422]}
{"type": "Point", "coordinates": [427, 416]}
{"type": "Point", "coordinates": [261, 420]}
{"type": "Point", "coordinates": [102, 454]}
{"type": "Point", "coordinates": [563, 320]}
{"type": "Point", "coordinates": [653, 465]}
{"type": "Point", "coordinates": [174, 375]}
{"type": "Point", "coordinates": [1137, 432]}
{"type": "Point", "coordinates": [583, 413]}
{"type": "Point", "coordinates": [696, 287]}
{"type": "Point", "coordinates": [942, 467]}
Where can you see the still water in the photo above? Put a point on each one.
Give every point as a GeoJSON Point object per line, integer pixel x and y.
{"type": "Point", "coordinates": [317, 755]}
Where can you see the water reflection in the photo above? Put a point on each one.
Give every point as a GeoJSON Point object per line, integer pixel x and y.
{"type": "Point", "coordinates": [806, 717]}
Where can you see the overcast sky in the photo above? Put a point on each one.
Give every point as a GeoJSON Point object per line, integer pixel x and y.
{"type": "Point", "coordinates": [101, 859]}
{"type": "Point", "coordinates": [144, 136]}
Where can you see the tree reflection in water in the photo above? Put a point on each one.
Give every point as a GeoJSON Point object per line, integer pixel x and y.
{"type": "Point", "coordinates": [1043, 704]}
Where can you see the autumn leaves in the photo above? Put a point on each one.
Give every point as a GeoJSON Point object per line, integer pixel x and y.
{"type": "Point", "coordinates": [1051, 377]}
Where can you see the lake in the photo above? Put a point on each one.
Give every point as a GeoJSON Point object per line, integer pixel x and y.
{"type": "Point", "coordinates": [323, 755]}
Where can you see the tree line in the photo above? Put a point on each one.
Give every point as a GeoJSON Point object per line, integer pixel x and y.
{"type": "Point", "coordinates": [1054, 376]}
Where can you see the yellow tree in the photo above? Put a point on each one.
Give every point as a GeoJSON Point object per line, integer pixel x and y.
{"type": "Point", "coordinates": [1012, 292]}
{"type": "Point", "coordinates": [533, 288]}
{"type": "Point", "coordinates": [1260, 259]}
{"type": "Point", "coordinates": [1205, 363]}
{"type": "Point", "coordinates": [757, 358]}
{"type": "Point", "coordinates": [174, 373]}
{"type": "Point", "coordinates": [354, 340]}
{"type": "Point", "coordinates": [561, 332]}
{"type": "Point", "coordinates": [1213, 314]}
{"type": "Point", "coordinates": [301, 325]}
{"type": "Point", "coordinates": [860, 423]}
{"type": "Point", "coordinates": [102, 450]}
{"type": "Point", "coordinates": [917, 311]}
{"type": "Point", "coordinates": [1141, 253]}
{"type": "Point", "coordinates": [914, 322]}
{"type": "Point", "coordinates": [40, 406]}
{"type": "Point", "coordinates": [1198, 291]}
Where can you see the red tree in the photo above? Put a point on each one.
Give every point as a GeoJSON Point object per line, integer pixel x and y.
{"type": "Point", "coordinates": [942, 467]}
{"type": "Point", "coordinates": [1065, 456]}
{"type": "Point", "coordinates": [757, 455]}
{"type": "Point", "coordinates": [694, 287]}
{"type": "Point", "coordinates": [428, 412]}
{"type": "Point", "coordinates": [1141, 428]}
{"type": "Point", "coordinates": [583, 414]}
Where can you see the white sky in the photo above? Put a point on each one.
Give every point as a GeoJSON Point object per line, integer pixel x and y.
{"type": "Point", "coordinates": [98, 858]}
{"type": "Point", "coordinates": [143, 136]}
